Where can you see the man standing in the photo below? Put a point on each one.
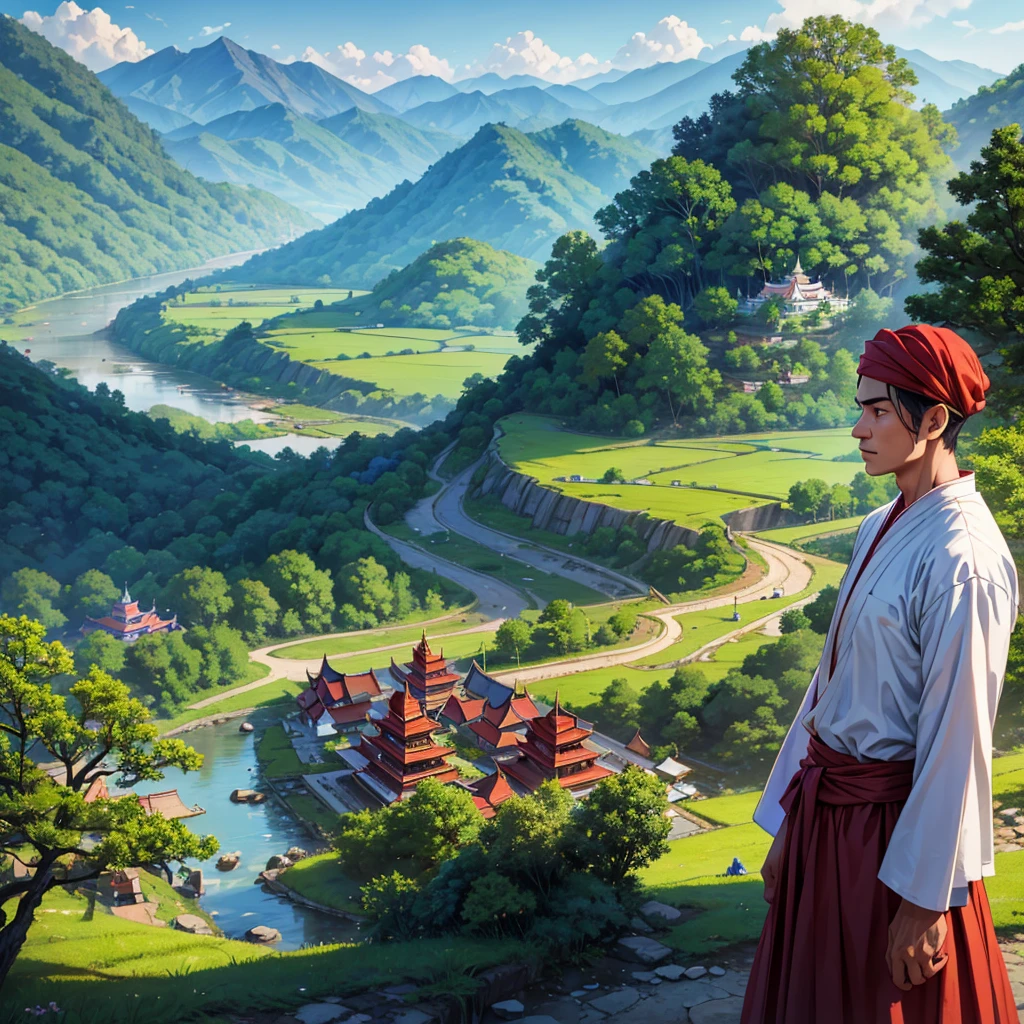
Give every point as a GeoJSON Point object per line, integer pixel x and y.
{"type": "Point", "coordinates": [880, 799]}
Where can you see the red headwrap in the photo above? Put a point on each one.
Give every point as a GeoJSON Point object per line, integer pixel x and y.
{"type": "Point", "coordinates": [931, 361]}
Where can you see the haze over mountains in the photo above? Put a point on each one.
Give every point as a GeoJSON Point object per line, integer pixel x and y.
{"type": "Point", "coordinates": [329, 147]}
{"type": "Point", "coordinates": [513, 190]}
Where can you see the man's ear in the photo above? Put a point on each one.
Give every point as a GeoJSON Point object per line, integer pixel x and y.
{"type": "Point", "coordinates": [934, 422]}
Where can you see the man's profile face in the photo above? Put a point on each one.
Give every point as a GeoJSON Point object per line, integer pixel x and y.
{"type": "Point", "coordinates": [885, 443]}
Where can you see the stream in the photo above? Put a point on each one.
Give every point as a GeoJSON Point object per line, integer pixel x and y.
{"type": "Point", "coordinates": [71, 331]}
{"type": "Point", "coordinates": [258, 831]}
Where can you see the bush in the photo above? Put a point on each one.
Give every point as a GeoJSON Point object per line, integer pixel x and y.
{"type": "Point", "coordinates": [634, 428]}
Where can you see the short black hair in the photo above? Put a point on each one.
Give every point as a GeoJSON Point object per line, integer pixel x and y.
{"type": "Point", "coordinates": [916, 406]}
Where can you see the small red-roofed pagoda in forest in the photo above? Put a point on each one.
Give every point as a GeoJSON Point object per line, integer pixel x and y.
{"type": "Point", "coordinates": [427, 676]}
{"type": "Point", "coordinates": [403, 752]}
{"type": "Point", "coordinates": [127, 623]}
{"type": "Point", "coordinates": [556, 747]}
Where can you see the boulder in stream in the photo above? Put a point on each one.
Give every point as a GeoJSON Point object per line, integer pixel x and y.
{"type": "Point", "coordinates": [229, 861]}
{"type": "Point", "coordinates": [246, 727]}
{"type": "Point", "coordinates": [261, 933]}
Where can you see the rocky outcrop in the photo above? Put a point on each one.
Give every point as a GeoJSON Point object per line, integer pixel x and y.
{"type": "Point", "coordinates": [193, 924]}
{"type": "Point", "coordinates": [763, 517]}
{"type": "Point", "coordinates": [247, 796]}
{"type": "Point", "coordinates": [561, 513]}
{"type": "Point", "coordinates": [228, 861]}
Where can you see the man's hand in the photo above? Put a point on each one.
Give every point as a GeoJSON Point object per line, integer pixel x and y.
{"type": "Point", "coordinates": [772, 867]}
{"type": "Point", "coordinates": [915, 937]}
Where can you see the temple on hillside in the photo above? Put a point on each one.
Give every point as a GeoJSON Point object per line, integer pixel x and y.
{"type": "Point", "coordinates": [490, 792]}
{"type": "Point", "coordinates": [798, 293]}
{"type": "Point", "coordinates": [557, 747]}
{"type": "Point", "coordinates": [402, 753]}
{"type": "Point", "coordinates": [335, 702]}
{"type": "Point", "coordinates": [496, 722]}
{"type": "Point", "coordinates": [427, 676]}
{"type": "Point", "coordinates": [127, 623]}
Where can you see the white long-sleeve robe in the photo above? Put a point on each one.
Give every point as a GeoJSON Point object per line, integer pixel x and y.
{"type": "Point", "coordinates": [921, 656]}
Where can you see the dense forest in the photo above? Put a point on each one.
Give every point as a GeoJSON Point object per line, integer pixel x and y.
{"type": "Point", "coordinates": [241, 546]}
{"type": "Point", "coordinates": [88, 193]}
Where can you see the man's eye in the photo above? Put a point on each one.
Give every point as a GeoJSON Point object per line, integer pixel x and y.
{"type": "Point", "coordinates": [878, 412]}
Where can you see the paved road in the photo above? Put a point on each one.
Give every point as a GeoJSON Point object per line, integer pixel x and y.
{"type": "Point", "coordinates": [785, 569]}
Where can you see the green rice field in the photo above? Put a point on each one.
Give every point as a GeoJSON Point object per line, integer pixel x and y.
{"type": "Point", "coordinates": [759, 468]}
{"type": "Point", "coordinates": [789, 534]}
{"type": "Point", "coordinates": [251, 293]}
{"type": "Point", "coordinates": [438, 373]}
{"type": "Point", "coordinates": [327, 344]}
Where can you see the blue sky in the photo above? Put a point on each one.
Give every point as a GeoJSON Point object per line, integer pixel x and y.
{"type": "Point", "coordinates": [373, 44]}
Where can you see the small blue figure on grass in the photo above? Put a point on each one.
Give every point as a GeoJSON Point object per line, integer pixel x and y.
{"type": "Point", "coordinates": [736, 867]}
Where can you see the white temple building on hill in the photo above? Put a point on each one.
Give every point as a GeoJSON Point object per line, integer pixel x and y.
{"type": "Point", "coordinates": [799, 294]}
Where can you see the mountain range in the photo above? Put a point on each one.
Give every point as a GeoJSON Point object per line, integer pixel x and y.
{"type": "Point", "coordinates": [513, 190]}
{"type": "Point", "coordinates": [326, 168]}
{"type": "Point", "coordinates": [87, 193]}
{"type": "Point", "coordinates": [223, 77]}
{"type": "Point", "coordinates": [206, 102]}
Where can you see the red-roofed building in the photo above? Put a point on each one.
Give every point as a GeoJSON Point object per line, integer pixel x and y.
{"type": "Point", "coordinates": [427, 676]}
{"type": "Point", "coordinates": [127, 623]}
{"type": "Point", "coordinates": [402, 753]}
{"type": "Point", "coordinates": [639, 745]}
{"type": "Point", "coordinates": [335, 702]}
{"type": "Point", "coordinates": [490, 792]}
{"type": "Point", "coordinates": [557, 747]}
{"type": "Point", "coordinates": [496, 721]}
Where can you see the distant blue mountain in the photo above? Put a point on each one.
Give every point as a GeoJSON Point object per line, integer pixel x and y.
{"type": "Point", "coordinates": [221, 78]}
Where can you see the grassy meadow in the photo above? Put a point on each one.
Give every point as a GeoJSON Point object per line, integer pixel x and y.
{"type": "Point", "coordinates": [757, 468]}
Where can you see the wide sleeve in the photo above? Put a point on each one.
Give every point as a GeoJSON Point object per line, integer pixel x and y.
{"type": "Point", "coordinates": [943, 837]}
{"type": "Point", "coordinates": [768, 813]}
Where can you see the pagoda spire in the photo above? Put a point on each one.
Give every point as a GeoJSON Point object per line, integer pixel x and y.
{"type": "Point", "coordinates": [126, 598]}
{"type": "Point", "coordinates": [797, 269]}
{"type": "Point", "coordinates": [557, 708]}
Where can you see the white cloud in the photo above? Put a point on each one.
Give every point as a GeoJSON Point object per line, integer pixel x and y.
{"type": "Point", "coordinates": [351, 64]}
{"type": "Point", "coordinates": [156, 17]}
{"type": "Point", "coordinates": [881, 14]}
{"type": "Point", "coordinates": [526, 53]}
{"type": "Point", "coordinates": [1010, 26]}
{"type": "Point", "coordinates": [276, 46]}
{"type": "Point", "coordinates": [89, 36]}
{"type": "Point", "coordinates": [212, 30]}
{"type": "Point", "coordinates": [670, 40]}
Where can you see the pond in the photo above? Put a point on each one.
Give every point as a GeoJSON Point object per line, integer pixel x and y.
{"type": "Point", "coordinates": [257, 830]}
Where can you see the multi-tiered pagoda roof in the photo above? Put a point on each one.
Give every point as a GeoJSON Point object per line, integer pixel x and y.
{"type": "Point", "coordinates": [497, 721]}
{"type": "Point", "coordinates": [402, 753]}
{"type": "Point", "coordinates": [127, 623]}
{"type": "Point", "coordinates": [557, 746]}
{"type": "Point", "coordinates": [337, 701]}
{"type": "Point", "coordinates": [427, 676]}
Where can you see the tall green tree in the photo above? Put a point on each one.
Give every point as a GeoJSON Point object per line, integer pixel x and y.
{"type": "Point", "coordinates": [254, 611]}
{"type": "Point", "coordinates": [300, 588]}
{"type": "Point", "coordinates": [35, 594]}
{"type": "Point", "coordinates": [199, 595]}
{"type": "Point", "coordinates": [978, 263]}
{"type": "Point", "coordinates": [605, 356]}
{"type": "Point", "coordinates": [99, 732]}
{"type": "Point", "coordinates": [92, 593]}
{"type": "Point", "coordinates": [677, 364]}
{"type": "Point", "coordinates": [621, 826]}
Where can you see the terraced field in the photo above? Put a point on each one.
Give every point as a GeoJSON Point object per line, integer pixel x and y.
{"type": "Point", "coordinates": [686, 480]}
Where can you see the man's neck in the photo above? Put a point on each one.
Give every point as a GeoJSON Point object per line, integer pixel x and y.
{"type": "Point", "coordinates": [918, 477]}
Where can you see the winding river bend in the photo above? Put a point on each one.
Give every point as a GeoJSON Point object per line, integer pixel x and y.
{"type": "Point", "coordinates": [71, 331]}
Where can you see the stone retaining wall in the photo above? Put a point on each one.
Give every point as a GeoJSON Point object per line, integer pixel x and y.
{"type": "Point", "coordinates": [568, 516]}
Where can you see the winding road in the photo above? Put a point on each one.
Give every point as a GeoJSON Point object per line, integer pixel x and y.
{"type": "Point", "coordinates": [499, 600]}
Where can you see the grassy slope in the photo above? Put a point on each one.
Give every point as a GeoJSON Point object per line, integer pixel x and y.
{"type": "Point", "coordinates": [535, 446]}
{"type": "Point", "coordinates": [101, 969]}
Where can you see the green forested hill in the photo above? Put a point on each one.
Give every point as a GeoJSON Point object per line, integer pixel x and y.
{"type": "Point", "coordinates": [454, 283]}
{"type": "Point", "coordinates": [510, 189]}
{"type": "Point", "coordinates": [87, 194]}
{"type": "Point", "coordinates": [992, 106]}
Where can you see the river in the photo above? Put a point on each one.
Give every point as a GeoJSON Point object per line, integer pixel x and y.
{"type": "Point", "coordinates": [71, 331]}
{"type": "Point", "coordinates": [257, 830]}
